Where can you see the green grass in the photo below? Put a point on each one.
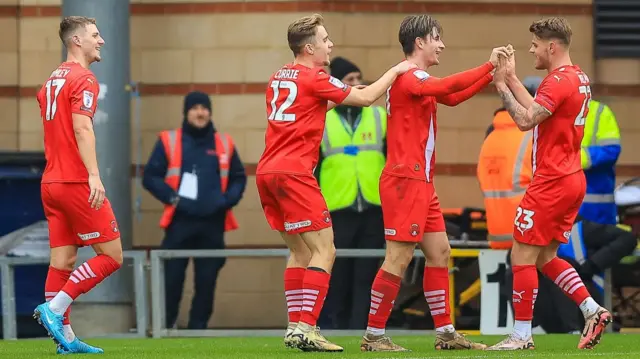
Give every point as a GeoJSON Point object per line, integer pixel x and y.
{"type": "Point", "coordinates": [548, 346]}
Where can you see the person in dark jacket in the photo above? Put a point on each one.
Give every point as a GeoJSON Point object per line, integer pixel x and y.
{"type": "Point", "coordinates": [212, 180]}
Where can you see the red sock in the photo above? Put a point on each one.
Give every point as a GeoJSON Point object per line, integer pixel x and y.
{"type": "Point", "coordinates": [293, 279]}
{"type": "Point", "coordinates": [384, 291]}
{"type": "Point", "coordinates": [566, 277]}
{"type": "Point", "coordinates": [435, 283]}
{"type": "Point", "coordinates": [314, 290]}
{"type": "Point", "coordinates": [56, 279]}
{"type": "Point", "coordinates": [525, 290]}
{"type": "Point", "coordinates": [89, 274]}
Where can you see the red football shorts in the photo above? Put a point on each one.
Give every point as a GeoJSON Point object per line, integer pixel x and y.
{"type": "Point", "coordinates": [547, 210]}
{"type": "Point", "coordinates": [410, 208]}
{"type": "Point", "coordinates": [292, 203]}
{"type": "Point", "coordinates": [72, 221]}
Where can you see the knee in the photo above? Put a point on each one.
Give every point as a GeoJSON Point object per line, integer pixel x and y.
{"type": "Point", "coordinates": [64, 262]}
{"type": "Point", "coordinates": [300, 255]}
{"type": "Point", "coordinates": [117, 257]}
{"type": "Point", "coordinates": [439, 257]}
{"type": "Point", "coordinates": [397, 261]}
{"type": "Point", "coordinates": [543, 259]}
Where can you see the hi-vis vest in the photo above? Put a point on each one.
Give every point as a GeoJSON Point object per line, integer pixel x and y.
{"type": "Point", "coordinates": [602, 142]}
{"type": "Point", "coordinates": [352, 160]}
{"type": "Point", "coordinates": [504, 171]}
{"type": "Point", "coordinates": [172, 141]}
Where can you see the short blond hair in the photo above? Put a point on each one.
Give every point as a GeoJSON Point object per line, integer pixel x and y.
{"type": "Point", "coordinates": [70, 24]}
{"type": "Point", "coordinates": [552, 28]}
{"type": "Point", "coordinates": [302, 31]}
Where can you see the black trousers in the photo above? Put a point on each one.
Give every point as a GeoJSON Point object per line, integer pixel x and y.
{"type": "Point", "coordinates": [184, 233]}
{"type": "Point", "coordinates": [349, 296]}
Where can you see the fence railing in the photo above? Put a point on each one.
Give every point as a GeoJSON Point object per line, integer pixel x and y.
{"type": "Point", "coordinates": [155, 265]}
{"type": "Point", "coordinates": [8, 264]}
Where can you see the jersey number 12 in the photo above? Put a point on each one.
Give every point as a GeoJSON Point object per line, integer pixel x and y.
{"type": "Point", "coordinates": [278, 109]}
{"type": "Point", "coordinates": [53, 85]}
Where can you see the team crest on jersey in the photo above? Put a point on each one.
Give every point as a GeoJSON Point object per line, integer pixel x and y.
{"type": "Point", "coordinates": [327, 217]}
{"type": "Point", "coordinates": [114, 226]}
{"type": "Point", "coordinates": [87, 99]}
{"type": "Point", "coordinates": [421, 75]}
{"type": "Point", "coordinates": [337, 83]}
{"type": "Point", "coordinates": [414, 229]}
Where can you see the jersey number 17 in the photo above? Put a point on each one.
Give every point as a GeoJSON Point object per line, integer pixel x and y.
{"type": "Point", "coordinates": [584, 89]}
{"type": "Point", "coordinates": [279, 107]}
{"type": "Point", "coordinates": [53, 87]}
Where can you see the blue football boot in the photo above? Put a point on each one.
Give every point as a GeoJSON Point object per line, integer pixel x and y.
{"type": "Point", "coordinates": [52, 322]}
{"type": "Point", "coordinates": [79, 347]}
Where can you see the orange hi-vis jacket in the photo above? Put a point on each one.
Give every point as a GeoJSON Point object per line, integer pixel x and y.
{"type": "Point", "coordinates": [172, 142]}
{"type": "Point", "coordinates": [504, 171]}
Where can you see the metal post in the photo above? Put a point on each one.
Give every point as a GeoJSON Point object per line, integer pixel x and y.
{"type": "Point", "coordinates": [157, 295]}
{"type": "Point", "coordinates": [8, 302]}
{"type": "Point", "coordinates": [139, 276]}
{"type": "Point", "coordinates": [112, 128]}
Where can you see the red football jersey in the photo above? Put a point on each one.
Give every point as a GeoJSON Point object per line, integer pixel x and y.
{"type": "Point", "coordinates": [565, 93]}
{"type": "Point", "coordinates": [70, 89]}
{"type": "Point", "coordinates": [411, 127]}
{"type": "Point", "coordinates": [297, 99]}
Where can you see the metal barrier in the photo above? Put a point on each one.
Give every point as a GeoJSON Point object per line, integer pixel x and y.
{"type": "Point", "coordinates": [7, 265]}
{"type": "Point", "coordinates": [157, 258]}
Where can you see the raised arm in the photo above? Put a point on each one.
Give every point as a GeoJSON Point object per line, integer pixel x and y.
{"type": "Point", "coordinates": [459, 97]}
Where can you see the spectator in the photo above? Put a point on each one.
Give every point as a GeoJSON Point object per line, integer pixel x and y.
{"type": "Point", "coordinates": [600, 152]}
{"type": "Point", "coordinates": [196, 172]}
{"type": "Point", "coordinates": [351, 159]}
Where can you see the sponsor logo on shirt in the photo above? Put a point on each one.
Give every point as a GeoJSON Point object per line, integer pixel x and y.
{"type": "Point", "coordinates": [87, 100]}
{"type": "Point", "coordinates": [421, 75]}
{"type": "Point", "coordinates": [337, 83]}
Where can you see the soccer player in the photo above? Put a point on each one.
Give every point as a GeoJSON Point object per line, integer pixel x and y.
{"type": "Point", "coordinates": [410, 206]}
{"type": "Point", "coordinates": [297, 100]}
{"type": "Point", "coordinates": [549, 207]}
{"type": "Point", "coordinates": [77, 211]}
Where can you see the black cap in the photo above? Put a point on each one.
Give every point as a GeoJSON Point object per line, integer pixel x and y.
{"type": "Point", "coordinates": [340, 67]}
{"type": "Point", "coordinates": [196, 98]}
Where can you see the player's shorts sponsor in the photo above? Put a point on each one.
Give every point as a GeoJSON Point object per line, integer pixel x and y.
{"type": "Point", "coordinates": [296, 225]}
{"type": "Point", "coordinates": [390, 232]}
{"type": "Point", "coordinates": [566, 235]}
{"type": "Point", "coordinates": [88, 236]}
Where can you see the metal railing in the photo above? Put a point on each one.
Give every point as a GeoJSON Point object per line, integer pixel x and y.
{"type": "Point", "coordinates": [157, 258]}
{"type": "Point", "coordinates": [7, 264]}
{"type": "Point", "coordinates": [156, 267]}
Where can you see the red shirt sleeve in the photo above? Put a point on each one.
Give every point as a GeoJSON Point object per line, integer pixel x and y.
{"type": "Point", "coordinates": [553, 91]}
{"type": "Point", "coordinates": [84, 95]}
{"type": "Point", "coordinates": [330, 88]}
{"type": "Point", "coordinates": [420, 83]}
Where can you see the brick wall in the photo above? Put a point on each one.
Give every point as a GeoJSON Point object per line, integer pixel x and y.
{"type": "Point", "coordinates": [230, 49]}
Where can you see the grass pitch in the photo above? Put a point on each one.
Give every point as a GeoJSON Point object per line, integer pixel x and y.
{"type": "Point", "coordinates": [547, 346]}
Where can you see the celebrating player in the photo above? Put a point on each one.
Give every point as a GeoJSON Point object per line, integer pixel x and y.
{"type": "Point", "coordinates": [546, 213]}
{"type": "Point", "coordinates": [410, 206]}
{"type": "Point", "coordinates": [77, 211]}
{"type": "Point", "coordinates": [297, 101]}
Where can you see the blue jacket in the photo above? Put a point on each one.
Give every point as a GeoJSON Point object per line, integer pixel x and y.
{"type": "Point", "coordinates": [600, 152]}
{"type": "Point", "coordinates": [198, 154]}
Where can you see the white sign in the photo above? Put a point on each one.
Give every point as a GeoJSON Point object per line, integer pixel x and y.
{"type": "Point", "coordinates": [496, 313]}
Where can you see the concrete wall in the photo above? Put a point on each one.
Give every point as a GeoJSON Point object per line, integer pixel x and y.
{"type": "Point", "coordinates": [230, 49]}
